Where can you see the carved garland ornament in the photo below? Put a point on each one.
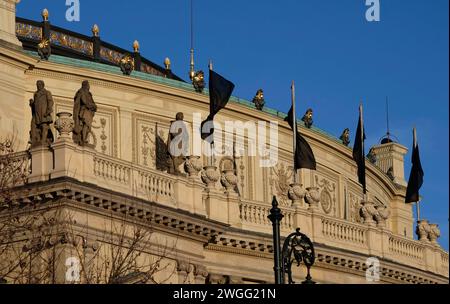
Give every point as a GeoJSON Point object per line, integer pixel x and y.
{"type": "Point", "coordinates": [281, 181]}
{"type": "Point", "coordinates": [327, 200]}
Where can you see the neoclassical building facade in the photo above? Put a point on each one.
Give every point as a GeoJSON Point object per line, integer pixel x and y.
{"type": "Point", "coordinates": [209, 224]}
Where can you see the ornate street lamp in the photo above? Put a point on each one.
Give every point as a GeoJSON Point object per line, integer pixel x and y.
{"type": "Point", "coordinates": [296, 248]}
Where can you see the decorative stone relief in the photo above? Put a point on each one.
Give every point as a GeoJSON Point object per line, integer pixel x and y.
{"type": "Point", "coordinates": [327, 194]}
{"type": "Point", "coordinates": [354, 208]}
{"type": "Point", "coordinates": [148, 147]}
{"type": "Point", "coordinates": [242, 175]}
{"type": "Point", "coordinates": [216, 279]}
{"type": "Point", "coordinates": [150, 143]}
{"type": "Point", "coordinates": [103, 136]}
{"type": "Point", "coordinates": [103, 131]}
{"type": "Point", "coordinates": [162, 152]}
{"type": "Point", "coordinates": [281, 179]}
{"type": "Point", "coordinates": [200, 274]}
{"type": "Point", "coordinates": [326, 201]}
{"type": "Point", "coordinates": [183, 270]}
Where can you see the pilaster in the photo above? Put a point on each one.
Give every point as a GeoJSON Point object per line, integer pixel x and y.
{"type": "Point", "coordinates": [8, 22]}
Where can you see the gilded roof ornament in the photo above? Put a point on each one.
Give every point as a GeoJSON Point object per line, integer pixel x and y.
{"type": "Point", "coordinates": [198, 81]}
{"type": "Point", "coordinates": [308, 118]}
{"type": "Point", "coordinates": [44, 49]}
{"type": "Point", "coordinates": [136, 46]}
{"type": "Point", "coordinates": [45, 14]}
{"type": "Point", "coordinates": [127, 64]}
{"type": "Point", "coordinates": [95, 30]}
{"type": "Point", "coordinates": [345, 137]}
{"type": "Point", "coordinates": [167, 63]}
{"type": "Point", "coordinates": [258, 100]}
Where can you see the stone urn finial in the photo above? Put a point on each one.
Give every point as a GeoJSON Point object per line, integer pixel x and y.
{"type": "Point", "coordinates": [64, 124]}
{"type": "Point", "coordinates": [193, 166]}
{"type": "Point", "coordinates": [312, 197]}
{"type": "Point", "coordinates": [434, 233]}
{"type": "Point", "coordinates": [229, 180]}
{"type": "Point", "coordinates": [368, 212]}
{"type": "Point", "coordinates": [296, 193]}
{"type": "Point", "coordinates": [422, 230]}
{"type": "Point", "coordinates": [381, 215]}
{"type": "Point", "coordinates": [210, 176]}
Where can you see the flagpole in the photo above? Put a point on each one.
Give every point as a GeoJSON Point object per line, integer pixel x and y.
{"type": "Point", "coordinates": [212, 146]}
{"type": "Point", "coordinates": [414, 147]}
{"type": "Point", "coordinates": [192, 64]}
{"type": "Point", "coordinates": [361, 120]}
{"type": "Point", "coordinates": [294, 118]}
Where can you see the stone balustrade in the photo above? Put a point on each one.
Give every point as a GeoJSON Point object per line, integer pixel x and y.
{"type": "Point", "coordinates": [254, 215]}
{"type": "Point", "coordinates": [353, 233]}
{"type": "Point", "coordinates": [405, 248]}
{"type": "Point", "coordinates": [207, 198]}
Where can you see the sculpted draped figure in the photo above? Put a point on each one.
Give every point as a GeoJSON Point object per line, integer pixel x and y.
{"type": "Point", "coordinates": [84, 109]}
{"type": "Point", "coordinates": [177, 145]}
{"type": "Point", "coordinates": [41, 111]}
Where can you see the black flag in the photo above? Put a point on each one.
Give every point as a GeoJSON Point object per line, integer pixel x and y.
{"type": "Point", "coordinates": [220, 91]}
{"type": "Point", "coordinates": [358, 151]}
{"type": "Point", "coordinates": [304, 156]}
{"type": "Point", "coordinates": [415, 178]}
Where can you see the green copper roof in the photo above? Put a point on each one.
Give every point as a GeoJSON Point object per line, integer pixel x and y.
{"type": "Point", "coordinates": [165, 81]}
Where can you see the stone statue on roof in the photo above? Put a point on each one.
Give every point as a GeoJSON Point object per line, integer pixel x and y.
{"type": "Point", "coordinates": [83, 114]}
{"type": "Point", "coordinates": [258, 100]}
{"type": "Point", "coordinates": [41, 112]}
{"type": "Point", "coordinates": [345, 137]}
{"type": "Point", "coordinates": [308, 118]}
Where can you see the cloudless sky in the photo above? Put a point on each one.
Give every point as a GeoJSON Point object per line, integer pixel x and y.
{"type": "Point", "coordinates": [335, 56]}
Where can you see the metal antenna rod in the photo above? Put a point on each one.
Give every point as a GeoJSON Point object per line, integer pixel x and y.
{"type": "Point", "coordinates": [387, 119]}
{"type": "Point", "coordinates": [192, 65]}
{"type": "Point", "coordinates": [294, 118]}
{"type": "Point", "coordinates": [192, 24]}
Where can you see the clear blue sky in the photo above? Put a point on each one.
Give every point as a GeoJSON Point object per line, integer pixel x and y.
{"type": "Point", "coordinates": [335, 56]}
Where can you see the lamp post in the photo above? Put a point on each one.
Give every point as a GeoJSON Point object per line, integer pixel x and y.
{"type": "Point", "coordinates": [296, 248]}
{"type": "Point", "coordinates": [275, 217]}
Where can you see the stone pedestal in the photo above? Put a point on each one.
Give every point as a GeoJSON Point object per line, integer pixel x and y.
{"type": "Point", "coordinates": [199, 204]}
{"type": "Point", "coordinates": [216, 207]}
{"type": "Point", "coordinates": [41, 164]}
{"type": "Point", "coordinates": [73, 161]}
